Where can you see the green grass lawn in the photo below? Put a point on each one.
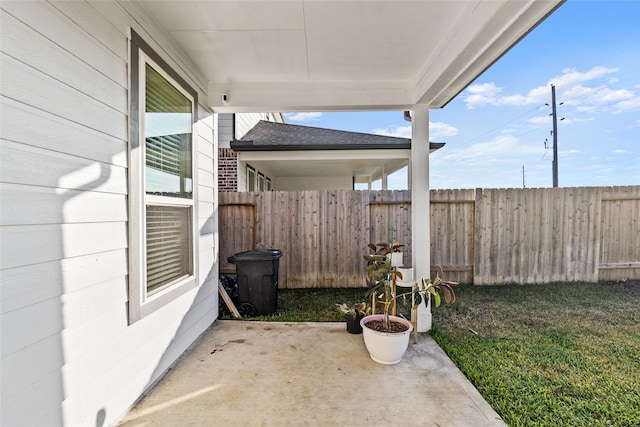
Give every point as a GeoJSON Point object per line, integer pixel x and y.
{"type": "Point", "coordinates": [563, 354]}
{"type": "Point", "coordinates": [311, 305]}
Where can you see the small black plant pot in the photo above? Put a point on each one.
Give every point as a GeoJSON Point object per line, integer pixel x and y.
{"type": "Point", "coordinates": [353, 324]}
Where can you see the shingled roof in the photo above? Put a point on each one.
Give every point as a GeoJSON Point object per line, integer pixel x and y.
{"type": "Point", "coordinates": [269, 136]}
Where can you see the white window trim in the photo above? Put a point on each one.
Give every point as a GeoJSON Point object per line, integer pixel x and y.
{"type": "Point", "coordinates": [251, 169]}
{"type": "Point", "coordinates": [139, 304]}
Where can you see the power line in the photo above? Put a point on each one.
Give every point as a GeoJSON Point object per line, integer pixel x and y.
{"type": "Point", "coordinates": [497, 130]}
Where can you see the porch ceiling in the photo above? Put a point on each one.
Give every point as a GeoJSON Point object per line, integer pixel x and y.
{"type": "Point", "coordinates": [343, 163]}
{"type": "Point", "coordinates": [311, 55]}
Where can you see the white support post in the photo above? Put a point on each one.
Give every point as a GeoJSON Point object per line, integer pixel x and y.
{"type": "Point", "coordinates": [383, 176]}
{"type": "Point", "coordinates": [420, 205]}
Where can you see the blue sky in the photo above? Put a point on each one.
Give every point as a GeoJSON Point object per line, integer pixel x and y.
{"type": "Point", "coordinates": [590, 50]}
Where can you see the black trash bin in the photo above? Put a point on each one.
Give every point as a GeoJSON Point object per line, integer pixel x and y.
{"type": "Point", "coordinates": [257, 274]}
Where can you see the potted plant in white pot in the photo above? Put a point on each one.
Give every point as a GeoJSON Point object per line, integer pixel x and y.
{"type": "Point", "coordinates": [386, 336]}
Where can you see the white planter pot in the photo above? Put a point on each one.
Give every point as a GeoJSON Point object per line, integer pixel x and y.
{"type": "Point", "coordinates": [396, 259]}
{"type": "Point", "coordinates": [384, 347]}
{"type": "Point", "coordinates": [423, 323]}
{"type": "Point", "coordinates": [407, 276]}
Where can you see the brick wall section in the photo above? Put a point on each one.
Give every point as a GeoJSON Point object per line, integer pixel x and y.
{"type": "Point", "coordinates": [227, 170]}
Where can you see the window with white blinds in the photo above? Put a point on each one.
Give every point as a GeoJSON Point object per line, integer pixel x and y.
{"type": "Point", "coordinates": [163, 261]}
{"type": "Point", "coordinates": [168, 124]}
{"type": "Point", "coordinates": [168, 246]}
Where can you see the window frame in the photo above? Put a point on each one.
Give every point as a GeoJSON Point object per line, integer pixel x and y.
{"type": "Point", "coordinates": [139, 303]}
{"type": "Point", "coordinates": [252, 183]}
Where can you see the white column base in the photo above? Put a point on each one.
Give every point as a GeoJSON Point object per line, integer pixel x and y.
{"type": "Point", "coordinates": [424, 317]}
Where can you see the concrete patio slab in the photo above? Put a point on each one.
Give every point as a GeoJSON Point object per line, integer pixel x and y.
{"type": "Point", "coordinates": [244, 373]}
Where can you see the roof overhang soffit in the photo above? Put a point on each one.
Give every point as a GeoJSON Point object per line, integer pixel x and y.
{"type": "Point", "coordinates": [340, 55]}
{"type": "Point", "coordinates": [480, 34]}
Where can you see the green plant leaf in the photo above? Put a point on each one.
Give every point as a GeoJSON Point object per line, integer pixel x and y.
{"type": "Point", "coordinates": [436, 299]}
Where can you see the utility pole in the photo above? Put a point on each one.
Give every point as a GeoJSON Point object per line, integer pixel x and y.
{"type": "Point", "coordinates": [523, 184]}
{"type": "Point", "coordinates": [555, 136]}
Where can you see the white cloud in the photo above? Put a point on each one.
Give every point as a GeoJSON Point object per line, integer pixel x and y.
{"type": "Point", "coordinates": [603, 98]}
{"type": "Point", "coordinates": [571, 88]}
{"type": "Point", "coordinates": [303, 117]}
{"type": "Point", "coordinates": [514, 100]}
{"type": "Point", "coordinates": [398, 131]}
{"type": "Point", "coordinates": [436, 130]}
{"type": "Point", "coordinates": [540, 121]}
{"type": "Point", "coordinates": [493, 163]}
{"type": "Point", "coordinates": [631, 104]}
{"type": "Point", "coordinates": [482, 94]}
{"type": "Point", "coordinates": [572, 77]}
{"type": "Point", "coordinates": [586, 109]}
{"type": "Point", "coordinates": [620, 151]}
{"type": "Point", "coordinates": [441, 130]}
{"type": "Point", "coordinates": [502, 148]}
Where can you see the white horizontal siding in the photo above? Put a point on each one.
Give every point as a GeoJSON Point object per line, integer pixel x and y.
{"type": "Point", "coordinates": [31, 244]}
{"type": "Point", "coordinates": [22, 369]}
{"type": "Point", "coordinates": [205, 132]}
{"type": "Point", "coordinates": [39, 404]}
{"type": "Point", "coordinates": [113, 358]}
{"type": "Point", "coordinates": [225, 129]}
{"type": "Point", "coordinates": [22, 286]}
{"type": "Point", "coordinates": [205, 163]}
{"type": "Point", "coordinates": [106, 326]}
{"type": "Point", "coordinates": [246, 121]}
{"type": "Point", "coordinates": [79, 41]}
{"type": "Point", "coordinates": [25, 164]}
{"type": "Point", "coordinates": [205, 178]}
{"type": "Point", "coordinates": [67, 350]}
{"type": "Point", "coordinates": [29, 325]}
{"type": "Point", "coordinates": [37, 52]}
{"type": "Point", "coordinates": [206, 194]}
{"type": "Point", "coordinates": [79, 308]}
{"type": "Point", "coordinates": [39, 90]}
{"type": "Point", "coordinates": [22, 204]}
{"type": "Point", "coordinates": [208, 226]}
{"type": "Point", "coordinates": [58, 134]}
{"type": "Point", "coordinates": [205, 210]}
{"type": "Point", "coordinates": [90, 20]}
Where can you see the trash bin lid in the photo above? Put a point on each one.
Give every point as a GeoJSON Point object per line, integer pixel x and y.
{"type": "Point", "coordinates": [256, 255]}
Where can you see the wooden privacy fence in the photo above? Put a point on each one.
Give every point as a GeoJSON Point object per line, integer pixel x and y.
{"type": "Point", "coordinates": [322, 234]}
{"type": "Point", "coordinates": [482, 236]}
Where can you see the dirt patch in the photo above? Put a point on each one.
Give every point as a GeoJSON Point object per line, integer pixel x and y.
{"type": "Point", "coordinates": [633, 285]}
{"type": "Point", "coordinates": [378, 325]}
